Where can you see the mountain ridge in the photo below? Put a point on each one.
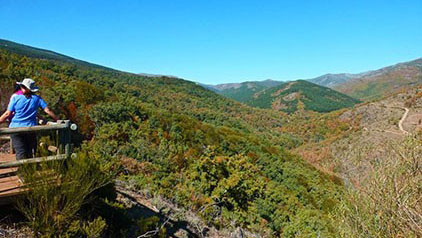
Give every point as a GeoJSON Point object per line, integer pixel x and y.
{"type": "Point", "coordinates": [366, 85]}
{"type": "Point", "coordinates": [385, 81]}
{"type": "Point", "coordinates": [301, 94]}
{"type": "Point", "coordinates": [40, 53]}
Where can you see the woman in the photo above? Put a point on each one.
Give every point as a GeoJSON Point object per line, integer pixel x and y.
{"type": "Point", "coordinates": [24, 108]}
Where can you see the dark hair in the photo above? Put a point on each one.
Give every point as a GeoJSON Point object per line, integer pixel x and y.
{"type": "Point", "coordinates": [23, 86]}
{"type": "Point", "coordinates": [17, 88]}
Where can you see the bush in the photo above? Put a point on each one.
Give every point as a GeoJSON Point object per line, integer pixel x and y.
{"type": "Point", "coordinates": [56, 192]}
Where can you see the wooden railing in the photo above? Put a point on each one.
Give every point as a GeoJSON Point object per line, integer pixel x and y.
{"type": "Point", "coordinates": [63, 130]}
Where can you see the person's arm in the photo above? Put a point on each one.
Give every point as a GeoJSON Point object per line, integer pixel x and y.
{"type": "Point", "coordinates": [51, 113]}
{"type": "Point", "coordinates": [10, 109]}
{"type": "Point", "coordinates": [5, 115]}
{"type": "Point", "coordinates": [47, 110]}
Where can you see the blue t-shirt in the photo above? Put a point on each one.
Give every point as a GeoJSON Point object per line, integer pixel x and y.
{"type": "Point", "coordinates": [25, 109]}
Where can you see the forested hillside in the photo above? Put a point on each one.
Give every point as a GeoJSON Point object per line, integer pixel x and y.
{"type": "Point", "coordinates": [292, 96]}
{"type": "Point", "coordinates": [332, 80]}
{"type": "Point", "coordinates": [375, 84]}
{"type": "Point", "coordinates": [242, 92]}
{"type": "Point", "coordinates": [383, 82]}
{"type": "Point", "coordinates": [30, 51]}
{"type": "Point", "coordinates": [225, 161]}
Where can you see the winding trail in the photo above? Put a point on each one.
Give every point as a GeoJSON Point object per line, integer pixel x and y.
{"type": "Point", "coordinates": [402, 120]}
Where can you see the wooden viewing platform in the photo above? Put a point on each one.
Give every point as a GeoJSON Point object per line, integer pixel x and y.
{"type": "Point", "coordinates": [10, 182]}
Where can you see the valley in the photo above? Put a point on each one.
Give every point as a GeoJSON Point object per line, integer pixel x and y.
{"type": "Point", "coordinates": [254, 159]}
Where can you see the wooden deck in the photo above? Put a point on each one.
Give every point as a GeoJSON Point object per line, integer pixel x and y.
{"type": "Point", "coordinates": [10, 183]}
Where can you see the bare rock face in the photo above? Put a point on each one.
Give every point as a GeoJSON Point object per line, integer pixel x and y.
{"type": "Point", "coordinates": [291, 96]}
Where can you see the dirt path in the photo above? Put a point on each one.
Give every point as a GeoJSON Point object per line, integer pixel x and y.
{"type": "Point", "coordinates": [402, 120]}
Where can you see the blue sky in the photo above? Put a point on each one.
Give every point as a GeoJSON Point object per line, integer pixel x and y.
{"type": "Point", "coordinates": [222, 41]}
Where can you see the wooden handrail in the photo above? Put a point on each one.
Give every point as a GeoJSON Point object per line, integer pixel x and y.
{"type": "Point", "coordinates": [8, 131]}
{"type": "Point", "coordinates": [34, 160]}
{"type": "Point", "coordinates": [62, 127]}
{"type": "Point", "coordinates": [4, 137]}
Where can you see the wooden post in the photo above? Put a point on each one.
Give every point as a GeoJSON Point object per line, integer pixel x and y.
{"type": "Point", "coordinates": [60, 134]}
{"type": "Point", "coordinates": [11, 146]}
{"type": "Point", "coordinates": [58, 141]}
{"type": "Point", "coordinates": [67, 139]}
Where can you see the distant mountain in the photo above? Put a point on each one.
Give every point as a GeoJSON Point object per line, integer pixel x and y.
{"type": "Point", "coordinates": [376, 83]}
{"type": "Point", "coordinates": [209, 87]}
{"type": "Point", "coordinates": [34, 52]}
{"type": "Point", "coordinates": [291, 96]}
{"type": "Point", "coordinates": [242, 92]}
{"type": "Point", "coordinates": [383, 82]}
{"type": "Point", "coordinates": [332, 80]}
{"type": "Point", "coordinates": [365, 86]}
{"type": "Point", "coordinates": [266, 84]}
{"type": "Point", "coordinates": [285, 96]}
{"type": "Point", "coordinates": [158, 75]}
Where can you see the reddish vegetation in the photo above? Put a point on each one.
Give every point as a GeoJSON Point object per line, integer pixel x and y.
{"type": "Point", "coordinates": [383, 82]}
{"type": "Point", "coordinates": [132, 166]}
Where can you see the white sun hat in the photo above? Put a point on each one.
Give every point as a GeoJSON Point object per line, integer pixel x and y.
{"type": "Point", "coordinates": [29, 84]}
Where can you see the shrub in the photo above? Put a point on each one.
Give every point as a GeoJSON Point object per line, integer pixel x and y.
{"type": "Point", "coordinates": [56, 192]}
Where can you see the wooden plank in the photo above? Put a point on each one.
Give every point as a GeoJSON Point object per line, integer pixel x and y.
{"type": "Point", "coordinates": [7, 158]}
{"type": "Point", "coordinates": [4, 172]}
{"type": "Point", "coordinates": [7, 172]}
{"type": "Point", "coordinates": [8, 185]}
{"type": "Point", "coordinates": [11, 192]}
{"type": "Point", "coordinates": [6, 180]}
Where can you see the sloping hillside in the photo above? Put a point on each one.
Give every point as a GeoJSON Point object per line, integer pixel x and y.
{"type": "Point", "coordinates": [208, 154]}
{"type": "Point", "coordinates": [242, 92]}
{"type": "Point", "coordinates": [385, 81]}
{"type": "Point", "coordinates": [30, 51]}
{"type": "Point", "coordinates": [376, 83]}
{"type": "Point", "coordinates": [290, 97]}
{"type": "Point", "coordinates": [332, 80]}
{"type": "Point", "coordinates": [378, 152]}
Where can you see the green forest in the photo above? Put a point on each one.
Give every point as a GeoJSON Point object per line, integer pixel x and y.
{"type": "Point", "coordinates": [223, 159]}
{"type": "Point", "coordinates": [312, 96]}
{"type": "Point", "coordinates": [244, 93]}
